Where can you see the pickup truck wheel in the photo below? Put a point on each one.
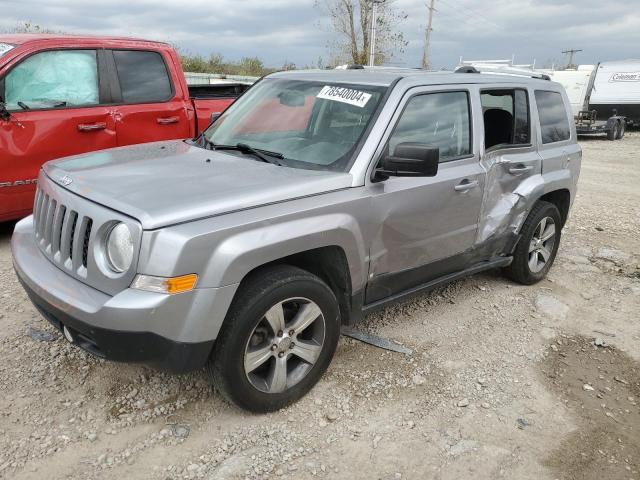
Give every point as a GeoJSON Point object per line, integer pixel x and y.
{"type": "Point", "coordinates": [538, 245]}
{"type": "Point", "coordinates": [278, 339]}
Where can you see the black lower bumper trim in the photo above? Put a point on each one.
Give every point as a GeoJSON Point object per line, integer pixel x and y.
{"type": "Point", "coordinates": [123, 346]}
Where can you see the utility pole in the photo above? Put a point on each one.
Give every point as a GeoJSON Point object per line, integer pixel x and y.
{"type": "Point", "coordinates": [372, 41]}
{"type": "Point", "coordinates": [427, 36]}
{"type": "Point", "coordinates": [571, 52]}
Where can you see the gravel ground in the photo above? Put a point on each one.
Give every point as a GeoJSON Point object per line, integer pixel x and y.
{"type": "Point", "coordinates": [505, 381]}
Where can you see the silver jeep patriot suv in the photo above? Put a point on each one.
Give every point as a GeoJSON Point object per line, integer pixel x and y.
{"type": "Point", "coordinates": [315, 198]}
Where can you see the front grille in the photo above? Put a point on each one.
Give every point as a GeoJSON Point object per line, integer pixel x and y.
{"type": "Point", "coordinates": [62, 233]}
{"type": "Point", "coordinates": [70, 232]}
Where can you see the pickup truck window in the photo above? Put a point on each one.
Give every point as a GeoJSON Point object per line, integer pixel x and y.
{"type": "Point", "coordinates": [312, 124]}
{"type": "Point", "coordinates": [554, 124]}
{"type": "Point", "coordinates": [439, 119]}
{"type": "Point", "coordinates": [143, 76]}
{"type": "Point", "coordinates": [506, 117]}
{"type": "Point", "coordinates": [53, 79]}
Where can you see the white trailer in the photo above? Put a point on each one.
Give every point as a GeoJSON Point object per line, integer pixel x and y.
{"type": "Point", "coordinates": [616, 90]}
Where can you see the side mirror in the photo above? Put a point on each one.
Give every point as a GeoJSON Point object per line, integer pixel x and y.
{"type": "Point", "coordinates": [410, 160]}
{"type": "Point", "coordinates": [215, 116]}
{"type": "Point", "coordinates": [4, 113]}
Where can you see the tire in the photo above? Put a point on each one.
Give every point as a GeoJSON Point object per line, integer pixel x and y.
{"type": "Point", "coordinates": [523, 268]}
{"type": "Point", "coordinates": [622, 126]}
{"type": "Point", "coordinates": [612, 133]}
{"type": "Point", "coordinates": [275, 296]}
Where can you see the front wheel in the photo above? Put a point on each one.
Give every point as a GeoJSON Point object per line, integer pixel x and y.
{"type": "Point", "coordinates": [538, 245]}
{"type": "Point", "coordinates": [277, 340]}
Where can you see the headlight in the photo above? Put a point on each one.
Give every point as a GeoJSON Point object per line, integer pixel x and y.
{"type": "Point", "coordinates": [120, 248]}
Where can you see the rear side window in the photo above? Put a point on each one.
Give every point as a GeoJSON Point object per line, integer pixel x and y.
{"type": "Point", "coordinates": [554, 124]}
{"type": "Point", "coordinates": [438, 119]}
{"type": "Point", "coordinates": [53, 79]}
{"type": "Point", "coordinates": [143, 76]}
{"type": "Point", "coordinates": [506, 117]}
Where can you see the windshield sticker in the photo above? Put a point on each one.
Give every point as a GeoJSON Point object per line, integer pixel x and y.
{"type": "Point", "coordinates": [4, 48]}
{"type": "Point", "coordinates": [344, 95]}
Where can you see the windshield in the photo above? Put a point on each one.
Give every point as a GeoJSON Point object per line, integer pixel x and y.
{"type": "Point", "coordinates": [306, 124]}
{"type": "Point", "coordinates": [4, 48]}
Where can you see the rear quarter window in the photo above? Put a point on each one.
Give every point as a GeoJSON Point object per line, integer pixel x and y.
{"type": "Point", "coordinates": [554, 123]}
{"type": "Point", "coordinates": [143, 76]}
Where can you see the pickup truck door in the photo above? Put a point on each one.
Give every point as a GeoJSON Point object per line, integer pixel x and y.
{"type": "Point", "coordinates": [426, 224]}
{"type": "Point", "coordinates": [149, 105]}
{"type": "Point", "coordinates": [54, 100]}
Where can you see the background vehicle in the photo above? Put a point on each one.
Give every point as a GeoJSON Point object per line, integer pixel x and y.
{"type": "Point", "coordinates": [65, 95]}
{"type": "Point", "coordinates": [599, 97]}
{"type": "Point", "coordinates": [317, 197]}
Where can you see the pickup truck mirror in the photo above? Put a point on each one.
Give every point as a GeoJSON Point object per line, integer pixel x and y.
{"type": "Point", "coordinates": [410, 160]}
{"type": "Point", "coordinates": [4, 113]}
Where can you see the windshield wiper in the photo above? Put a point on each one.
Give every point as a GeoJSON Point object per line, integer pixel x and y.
{"type": "Point", "coordinates": [263, 155]}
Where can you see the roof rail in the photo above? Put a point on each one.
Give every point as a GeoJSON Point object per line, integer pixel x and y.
{"type": "Point", "coordinates": [502, 70]}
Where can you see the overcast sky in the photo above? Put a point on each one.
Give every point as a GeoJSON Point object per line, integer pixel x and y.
{"type": "Point", "coordinates": [295, 31]}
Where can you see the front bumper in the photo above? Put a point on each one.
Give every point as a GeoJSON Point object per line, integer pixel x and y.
{"type": "Point", "coordinates": [171, 332]}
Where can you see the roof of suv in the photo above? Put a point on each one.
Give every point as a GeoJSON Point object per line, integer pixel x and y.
{"type": "Point", "coordinates": [387, 76]}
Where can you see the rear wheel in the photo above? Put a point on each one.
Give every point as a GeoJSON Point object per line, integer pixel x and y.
{"type": "Point", "coordinates": [277, 340]}
{"type": "Point", "coordinates": [621, 129]}
{"type": "Point", "coordinates": [612, 133]}
{"type": "Point", "coordinates": [538, 245]}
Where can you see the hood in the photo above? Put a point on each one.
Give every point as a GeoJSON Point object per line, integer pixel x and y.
{"type": "Point", "coordinates": [166, 183]}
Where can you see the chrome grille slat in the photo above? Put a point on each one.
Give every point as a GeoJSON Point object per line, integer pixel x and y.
{"type": "Point", "coordinates": [48, 223]}
{"type": "Point", "coordinates": [44, 205]}
{"type": "Point", "coordinates": [65, 238]}
{"type": "Point", "coordinates": [57, 229]}
{"type": "Point", "coordinates": [36, 206]}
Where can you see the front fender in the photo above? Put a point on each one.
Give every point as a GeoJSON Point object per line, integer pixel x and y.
{"type": "Point", "coordinates": [240, 253]}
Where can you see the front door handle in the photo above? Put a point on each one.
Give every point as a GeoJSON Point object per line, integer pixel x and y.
{"type": "Point", "coordinates": [91, 127]}
{"type": "Point", "coordinates": [167, 120]}
{"type": "Point", "coordinates": [466, 185]}
{"type": "Point", "coordinates": [520, 169]}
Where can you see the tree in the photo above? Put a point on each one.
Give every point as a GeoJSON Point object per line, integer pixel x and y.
{"type": "Point", "coordinates": [28, 27]}
{"type": "Point", "coordinates": [350, 20]}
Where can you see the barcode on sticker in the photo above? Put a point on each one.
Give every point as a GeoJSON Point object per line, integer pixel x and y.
{"type": "Point", "coordinates": [344, 95]}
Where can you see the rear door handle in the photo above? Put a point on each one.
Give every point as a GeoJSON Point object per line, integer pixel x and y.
{"type": "Point", "coordinates": [91, 127]}
{"type": "Point", "coordinates": [167, 120]}
{"type": "Point", "coordinates": [466, 185]}
{"type": "Point", "coordinates": [520, 169]}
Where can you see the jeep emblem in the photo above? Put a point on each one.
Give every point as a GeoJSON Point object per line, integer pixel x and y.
{"type": "Point", "coordinates": [66, 180]}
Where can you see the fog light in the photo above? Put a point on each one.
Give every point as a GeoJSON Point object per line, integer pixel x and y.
{"type": "Point", "coordinates": [171, 285]}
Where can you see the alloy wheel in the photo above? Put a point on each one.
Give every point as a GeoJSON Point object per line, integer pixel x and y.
{"type": "Point", "coordinates": [541, 245]}
{"type": "Point", "coordinates": [284, 345]}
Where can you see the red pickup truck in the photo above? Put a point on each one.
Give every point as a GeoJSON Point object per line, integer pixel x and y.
{"type": "Point", "coordinates": [65, 95]}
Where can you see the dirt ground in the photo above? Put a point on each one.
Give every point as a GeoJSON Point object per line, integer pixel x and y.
{"type": "Point", "coordinates": [505, 381]}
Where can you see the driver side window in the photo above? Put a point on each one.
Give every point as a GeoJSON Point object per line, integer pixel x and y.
{"type": "Point", "coordinates": [53, 79]}
{"type": "Point", "coordinates": [438, 119]}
